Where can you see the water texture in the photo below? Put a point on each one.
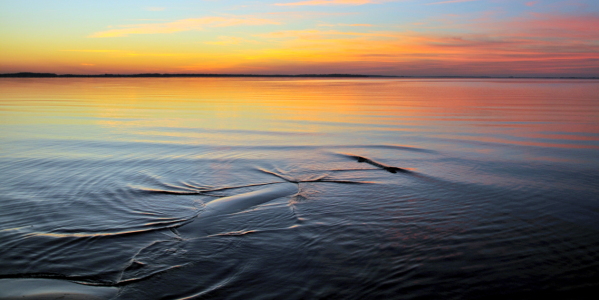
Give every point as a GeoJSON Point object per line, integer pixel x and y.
{"type": "Point", "coordinates": [250, 188]}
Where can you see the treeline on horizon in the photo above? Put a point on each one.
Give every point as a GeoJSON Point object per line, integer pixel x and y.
{"type": "Point", "coordinates": [51, 75]}
{"type": "Point", "coordinates": [31, 74]}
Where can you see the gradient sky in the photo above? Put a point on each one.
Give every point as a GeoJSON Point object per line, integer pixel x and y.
{"type": "Point", "coordinates": [403, 37]}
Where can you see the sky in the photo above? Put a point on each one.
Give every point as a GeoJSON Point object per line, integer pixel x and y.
{"type": "Point", "coordinates": [382, 37]}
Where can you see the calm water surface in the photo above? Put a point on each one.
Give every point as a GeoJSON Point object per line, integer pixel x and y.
{"type": "Point", "coordinates": [107, 183]}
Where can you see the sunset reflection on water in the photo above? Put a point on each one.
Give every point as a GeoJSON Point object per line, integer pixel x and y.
{"type": "Point", "coordinates": [198, 108]}
{"type": "Point", "coordinates": [101, 176]}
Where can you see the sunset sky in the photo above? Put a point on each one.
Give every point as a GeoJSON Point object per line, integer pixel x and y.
{"type": "Point", "coordinates": [386, 37]}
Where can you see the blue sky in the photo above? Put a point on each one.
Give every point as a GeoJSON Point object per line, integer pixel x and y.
{"type": "Point", "coordinates": [455, 37]}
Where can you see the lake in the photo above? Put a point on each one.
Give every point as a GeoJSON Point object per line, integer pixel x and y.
{"type": "Point", "coordinates": [287, 188]}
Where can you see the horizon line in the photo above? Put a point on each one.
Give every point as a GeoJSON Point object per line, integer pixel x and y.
{"type": "Point", "coordinates": [149, 75]}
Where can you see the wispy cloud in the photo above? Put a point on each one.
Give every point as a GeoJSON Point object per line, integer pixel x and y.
{"type": "Point", "coordinates": [480, 43]}
{"type": "Point", "coordinates": [351, 25]}
{"type": "Point", "coordinates": [229, 40]}
{"type": "Point", "coordinates": [534, 43]}
{"type": "Point", "coordinates": [181, 25]}
{"type": "Point", "coordinates": [329, 2]}
{"type": "Point", "coordinates": [320, 34]}
{"type": "Point", "coordinates": [91, 50]}
{"type": "Point", "coordinates": [120, 53]}
{"type": "Point", "coordinates": [450, 1]}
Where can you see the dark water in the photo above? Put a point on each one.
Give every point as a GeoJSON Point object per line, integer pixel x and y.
{"type": "Point", "coordinates": [107, 183]}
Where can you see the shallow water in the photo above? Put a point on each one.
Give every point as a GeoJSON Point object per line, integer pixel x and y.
{"type": "Point", "coordinates": [108, 183]}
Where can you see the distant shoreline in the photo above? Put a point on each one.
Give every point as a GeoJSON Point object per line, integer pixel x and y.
{"type": "Point", "coordinates": [166, 75]}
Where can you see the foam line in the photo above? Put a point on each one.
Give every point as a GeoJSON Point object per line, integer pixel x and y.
{"type": "Point", "coordinates": [41, 288]}
{"type": "Point", "coordinates": [237, 203]}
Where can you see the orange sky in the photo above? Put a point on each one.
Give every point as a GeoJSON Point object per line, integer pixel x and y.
{"type": "Point", "coordinates": [456, 37]}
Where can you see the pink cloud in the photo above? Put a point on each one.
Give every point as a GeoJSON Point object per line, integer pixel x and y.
{"type": "Point", "coordinates": [560, 26]}
{"type": "Point", "coordinates": [534, 44]}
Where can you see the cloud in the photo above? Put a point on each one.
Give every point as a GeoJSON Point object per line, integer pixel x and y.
{"type": "Point", "coordinates": [320, 34]}
{"type": "Point", "coordinates": [450, 1]}
{"type": "Point", "coordinates": [91, 50]}
{"type": "Point", "coordinates": [529, 44]}
{"type": "Point", "coordinates": [181, 25]}
{"type": "Point", "coordinates": [352, 25]}
{"type": "Point", "coordinates": [120, 53]}
{"type": "Point", "coordinates": [552, 28]}
{"type": "Point", "coordinates": [329, 2]}
{"type": "Point", "coordinates": [229, 40]}
{"type": "Point", "coordinates": [531, 3]}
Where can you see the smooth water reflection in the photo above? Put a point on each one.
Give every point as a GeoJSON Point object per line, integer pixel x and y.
{"type": "Point", "coordinates": [100, 175]}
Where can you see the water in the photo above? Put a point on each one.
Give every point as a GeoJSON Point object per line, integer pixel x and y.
{"type": "Point", "coordinates": [106, 187]}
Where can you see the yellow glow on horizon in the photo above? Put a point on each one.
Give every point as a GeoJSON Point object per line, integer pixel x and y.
{"type": "Point", "coordinates": [309, 42]}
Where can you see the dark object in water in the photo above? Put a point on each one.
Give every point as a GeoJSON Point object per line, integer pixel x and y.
{"type": "Point", "coordinates": [379, 165]}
